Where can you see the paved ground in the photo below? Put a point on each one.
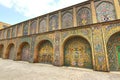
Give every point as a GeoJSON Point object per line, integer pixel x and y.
{"type": "Point", "coordinates": [12, 70]}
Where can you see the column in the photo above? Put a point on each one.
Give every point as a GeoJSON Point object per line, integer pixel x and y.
{"type": "Point", "coordinates": [60, 20]}
{"type": "Point", "coordinates": [47, 22]}
{"type": "Point", "coordinates": [105, 49]}
{"type": "Point", "coordinates": [94, 17]}
{"type": "Point", "coordinates": [10, 32]}
{"type": "Point", "coordinates": [74, 17]}
{"type": "Point", "coordinates": [117, 8]}
{"type": "Point", "coordinates": [16, 31]}
{"type": "Point", "coordinates": [93, 52]}
{"type": "Point", "coordinates": [57, 51]}
{"type": "Point", "coordinates": [29, 27]}
{"type": "Point", "coordinates": [99, 49]}
{"type": "Point", "coordinates": [22, 25]}
{"type": "Point", "coordinates": [37, 27]}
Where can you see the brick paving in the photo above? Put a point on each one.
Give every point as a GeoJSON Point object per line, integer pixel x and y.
{"type": "Point", "coordinates": [19, 70]}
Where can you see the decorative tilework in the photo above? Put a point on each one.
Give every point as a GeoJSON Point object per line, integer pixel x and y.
{"type": "Point", "coordinates": [25, 29]}
{"type": "Point", "coordinates": [53, 22]}
{"type": "Point", "coordinates": [86, 32]}
{"type": "Point", "coordinates": [78, 53]}
{"type": "Point", "coordinates": [11, 52]}
{"type": "Point", "coordinates": [84, 16]}
{"type": "Point", "coordinates": [19, 30]}
{"type": "Point", "coordinates": [111, 29]}
{"type": "Point", "coordinates": [67, 20]}
{"type": "Point", "coordinates": [8, 33]}
{"type": "Point", "coordinates": [105, 12]}
{"type": "Point", "coordinates": [5, 34]}
{"type": "Point", "coordinates": [32, 48]}
{"type": "Point", "coordinates": [25, 52]}
{"type": "Point", "coordinates": [25, 49]}
{"type": "Point", "coordinates": [77, 50]}
{"type": "Point", "coordinates": [113, 42]}
{"type": "Point", "coordinates": [46, 52]}
{"type": "Point", "coordinates": [33, 27]}
{"type": "Point", "coordinates": [42, 26]}
{"type": "Point", "coordinates": [13, 31]}
{"type": "Point", "coordinates": [100, 57]}
{"type": "Point", "coordinates": [57, 49]}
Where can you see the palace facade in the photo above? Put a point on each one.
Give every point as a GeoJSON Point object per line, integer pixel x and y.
{"type": "Point", "coordinates": [85, 35]}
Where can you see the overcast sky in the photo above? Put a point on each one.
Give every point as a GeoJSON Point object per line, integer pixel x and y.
{"type": "Point", "coordinates": [15, 11]}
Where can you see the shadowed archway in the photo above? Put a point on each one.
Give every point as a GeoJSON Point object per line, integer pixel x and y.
{"type": "Point", "coordinates": [10, 51]}
{"type": "Point", "coordinates": [23, 52]}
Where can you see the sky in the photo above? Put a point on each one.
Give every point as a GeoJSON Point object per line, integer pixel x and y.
{"type": "Point", "coordinates": [15, 11]}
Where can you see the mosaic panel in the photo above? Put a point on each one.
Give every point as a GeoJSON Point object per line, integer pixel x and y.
{"type": "Point", "coordinates": [84, 16]}
{"type": "Point", "coordinates": [53, 22]}
{"type": "Point", "coordinates": [100, 57]}
{"type": "Point", "coordinates": [25, 39]}
{"type": "Point", "coordinates": [46, 52]}
{"type": "Point", "coordinates": [8, 33]}
{"type": "Point", "coordinates": [57, 48]}
{"type": "Point", "coordinates": [25, 52]}
{"type": "Point", "coordinates": [43, 26]}
{"type": "Point", "coordinates": [11, 52]}
{"type": "Point", "coordinates": [113, 42]}
{"type": "Point", "coordinates": [78, 53]}
{"type": "Point", "coordinates": [87, 33]}
{"type": "Point", "coordinates": [105, 12]}
{"type": "Point", "coordinates": [32, 48]}
{"type": "Point", "coordinates": [20, 42]}
{"type": "Point", "coordinates": [67, 20]}
{"type": "Point", "coordinates": [25, 29]}
{"type": "Point", "coordinates": [111, 29]}
{"type": "Point", "coordinates": [33, 27]}
{"type": "Point", "coordinates": [1, 51]}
